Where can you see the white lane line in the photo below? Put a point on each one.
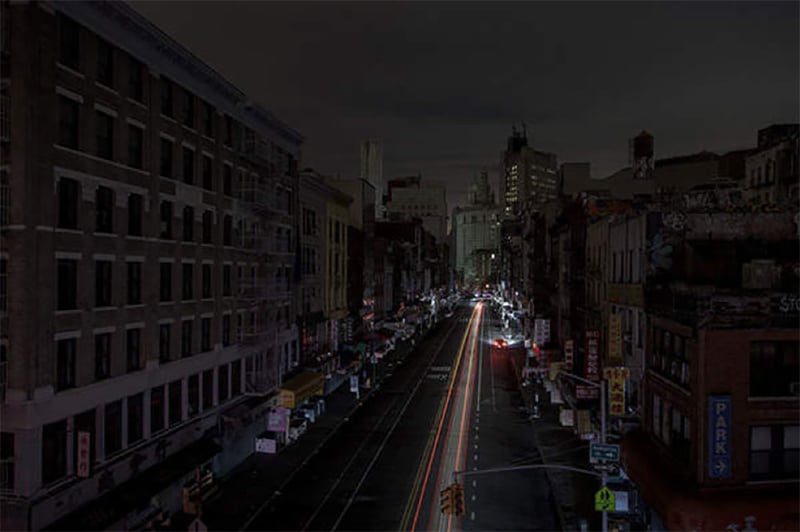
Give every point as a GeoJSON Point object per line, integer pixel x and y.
{"type": "Point", "coordinates": [476, 446]}
{"type": "Point", "coordinates": [473, 497]}
{"type": "Point", "coordinates": [472, 516]}
{"type": "Point", "coordinates": [475, 457]}
{"type": "Point", "coordinates": [474, 483]}
{"type": "Point", "coordinates": [494, 395]}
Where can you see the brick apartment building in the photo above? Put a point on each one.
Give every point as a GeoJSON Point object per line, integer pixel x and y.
{"type": "Point", "coordinates": [147, 266]}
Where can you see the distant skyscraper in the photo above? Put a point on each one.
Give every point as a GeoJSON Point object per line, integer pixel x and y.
{"type": "Point", "coordinates": [372, 171]}
{"type": "Point", "coordinates": [527, 174]}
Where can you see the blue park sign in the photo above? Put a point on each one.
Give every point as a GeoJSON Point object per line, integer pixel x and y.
{"type": "Point", "coordinates": [719, 436]}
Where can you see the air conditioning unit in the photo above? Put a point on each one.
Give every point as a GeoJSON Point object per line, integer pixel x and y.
{"type": "Point", "coordinates": [760, 274]}
{"type": "Point", "coordinates": [794, 388]}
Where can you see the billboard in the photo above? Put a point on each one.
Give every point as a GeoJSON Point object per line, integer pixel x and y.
{"type": "Point", "coordinates": [616, 389]}
{"type": "Point", "coordinates": [592, 366]}
{"type": "Point", "coordinates": [615, 340]}
{"type": "Point", "coordinates": [569, 354]}
{"type": "Point", "coordinates": [278, 419]}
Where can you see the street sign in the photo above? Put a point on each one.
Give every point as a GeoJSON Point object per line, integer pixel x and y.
{"type": "Point", "coordinates": [604, 451]}
{"type": "Point", "coordinates": [719, 436]}
{"type": "Point", "coordinates": [604, 500]}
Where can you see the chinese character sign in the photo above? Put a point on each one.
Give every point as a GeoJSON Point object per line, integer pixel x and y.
{"type": "Point", "coordinates": [541, 331]}
{"type": "Point", "coordinates": [592, 369]}
{"type": "Point", "coordinates": [615, 340]}
{"type": "Point", "coordinates": [277, 421]}
{"type": "Point", "coordinates": [84, 442]}
{"type": "Point", "coordinates": [719, 436]}
{"type": "Point", "coordinates": [616, 390]}
{"type": "Point", "coordinates": [569, 354]}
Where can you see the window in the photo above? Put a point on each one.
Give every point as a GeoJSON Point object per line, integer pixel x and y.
{"type": "Point", "coordinates": [65, 363]}
{"type": "Point", "coordinates": [175, 402]}
{"type": "Point", "coordinates": [134, 283]}
{"type": "Point", "coordinates": [205, 335]}
{"type": "Point", "coordinates": [208, 120]}
{"type": "Point", "coordinates": [54, 451]}
{"type": "Point", "coordinates": [102, 356]}
{"type": "Point", "coordinates": [164, 342]}
{"type": "Point", "coordinates": [186, 338]}
{"type": "Point", "coordinates": [135, 213]}
{"type": "Point", "coordinates": [68, 120]}
{"type": "Point", "coordinates": [228, 131]}
{"type": "Point", "coordinates": [113, 427]}
{"type": "Point", "coordinates": [236, 378]}
{"type": "Point", "coordinates": [208, 389]}
{"type": "Point", "coordinates": [133, 349]}
{"type": "Point", "coordinates": [226, 280]}
{"type": "Point", "coordinates": [208, 178]}
{"type": "Point", "coordinates": [104, 210]}
{"type": "Point", "coordinates": [135, 418]}
{"type": "Point", "coordinates": [105, 135]}
{"type": "Point", "coordinates": [102, 275]}
{"type": "Point", "coordinates": [774, 367]}
{"type": "Point", "coordinates": [3, 285]}
{"type": "Point", "coordinates": [68, 42]}
{"type": "Point", "coordinates": [135, 146]}
{"type": "Point", "coordinates": [165, 285]}
{"type": "Point", "coordinates": [222, 383]}
{"type": "Point", "coordinates": [208, 223]}
{"type": "Point", "coordinates": [166, 220]}
{"type": "Point", "coordinates": [774, 452]}
{"type": "Point", "coordinates": [226, 330]}
{"type": "Point", "coordinates": [6, 445]}
{"type": "Point", "coordinates": [227, 180]}
{"type": "Point", "coordinates": [188, 165]}
{"type": "Point", "coordinates": [227, 230]}
{"type": "Point", "coordinates": [67, 284]}
{"type": "Point", "coordinates": [166, 97]}
{"type": "Point", "coordinates": [206, 281]}
{"type": "Point", "coordinates": [194, 395]}
{"type": "Point", "coordinates": [105, 63]}
{"type": "Point", "coordinates": [166, 163]}
{"type": "Point", "coordinates": [188, 223]}
{"type": "Point", "coordinates": [188, 109]}
{"type": "Point", "coordinates": [5, 198]}
{"type": "Point", "coordinates": [67, 203]}
{"type": "Point", "coordinates": [135, 80]}
{"type": "Point", "coordinates": [156, 409]}
{"type": "Point", "coordinates": [187, 272]}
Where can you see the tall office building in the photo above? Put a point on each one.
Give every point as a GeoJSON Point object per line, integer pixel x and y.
{"type": "Point", "coordinates": [528, 176]}
{"type": "Point", "coordinates": [147, 243]}
{"type": "Point", "coordinates": [372, 171]}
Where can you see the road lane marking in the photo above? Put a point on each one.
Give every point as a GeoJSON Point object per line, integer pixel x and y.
{"type": "Point", "coordinates": [472, 516]}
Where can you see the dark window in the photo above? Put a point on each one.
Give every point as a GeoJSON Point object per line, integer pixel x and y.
{"type": "Point", "coordinates": [208, 389]}
{"type": "Point", "coordinates": [65, 363]}
{"type": "Point", "coordinates": [236, 378]}
{"type": "Point", "coordinates": [102, 356]}
{"type": "Point", "coordinates": [69, 33]}
{"type": "Point", "coordinates": [3, 287]}
{"type": "Point", "coordinates": [774, 367]}
{"type": "Point", "coordinates": [135, 146]}
{"type": "Point", "coordinates": [67, 284]}
{"type": "Point", "coordinates": [6, 450]}
{"type": "Point", "coordinates": [102, 276]}
{"type": "Point", "coordinates": [188, 165]}
{"type": "Point", "coordinates": [175, 402]}
{"type": "Point", "coordinates": [135, 214]}
{"type": "Point", "coordinates": [774, 452]}
{"type": "Point", "coordinates": [188, 224]}
{"type": "Point", "coordinates": [186, 338]}
{"type": "Point", "coordinates": [166, 97]}
{"type": "Point", "coordinates": [68, 203]}
{"type": "Point", "coordinates": [135, 80]}
{"type": "Point", "coordinates": [54, 451]}
{"type": "Point", "coordinates": [188, 108]}
{"type": "Point", "coordinates": [208, 178]}
{"type": "Point", "coordinates": [105, 63]}
{"type": "Point", "coordinates": [113, 428]}
{"type": "Point", "coordinates": [206, 281]}
{"type": "Point", "coordinates": [105, 135]}
{"type": "Point", "coordinates": [135, 418]}
{"type": "Point", "coordinates": [104, 209]}
{"type": "Point", "coordinates": [228, 131]}
{"type": "Point", "coordinates": [208, 224]}
{"type": "Point", "coordinates": [156, 409]}
{"type": "Point", "coordinates": [227, 231]}
{"type": "Point", "coordinates": [165, 167]}
{"type": "Point", "coordinates": [166, 220]}
{"type": "Point", "coordinates": [222, 383]}
{"type": "Point", "coordinates": [134, 283]}
{"type": "Point", "coordinates": [133, 349]}
{"type": "Point", "coordinates": [226, 330]}
{"type": "Point", "coordinates": [164, 342]}
{"type": "Point", "coordinates": [187, 271]}
{"type": "Point", "coordinates": [226, 280]}
{"type": "Point", "coordinates": [205, 334]}
{"type": "Point", "coordinates": [208, 120]}
{"type": "Point", "coordinates": [165, 285]}
{"type": "Point", "coordinates": [194, 395]}
{"type": "Point", "coordinates": [68, 120]}
{"type": "Point", "coordinates": [227, 181]}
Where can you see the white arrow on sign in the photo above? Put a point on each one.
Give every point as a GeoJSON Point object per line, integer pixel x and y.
{"type": "Point", "coordinates": [720, 466]}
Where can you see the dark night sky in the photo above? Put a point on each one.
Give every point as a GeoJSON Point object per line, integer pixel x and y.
{"type": "Point", "coordinates": [441, 83]}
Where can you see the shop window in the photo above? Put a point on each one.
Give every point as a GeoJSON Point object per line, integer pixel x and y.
{"type": "Point", "coordinates": [113, 428]}
{"type": "Point", "coordinates": [774, 452]}
{"type": "Point", "coordinates": [156, 409]}
{"type": "Point", "coordinates": [208, 389]}
{"type": "Point", "coordinates": [175, 402]}
{"type": "Point", "coordinates": [54, 451]}
{"type": "Point", "coordinates": [135, 418]}
{"type": "Point", "coordinates": [194, 395]}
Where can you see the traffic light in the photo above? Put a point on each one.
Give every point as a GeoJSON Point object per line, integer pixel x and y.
{"type": "Point", "coordinates": [446, 498]}
{"type": "Point", "coordinates": [459, 498]}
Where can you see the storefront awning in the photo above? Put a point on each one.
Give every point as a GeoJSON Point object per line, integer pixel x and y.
{"type": "Point", "coordinates": [684, 507]}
